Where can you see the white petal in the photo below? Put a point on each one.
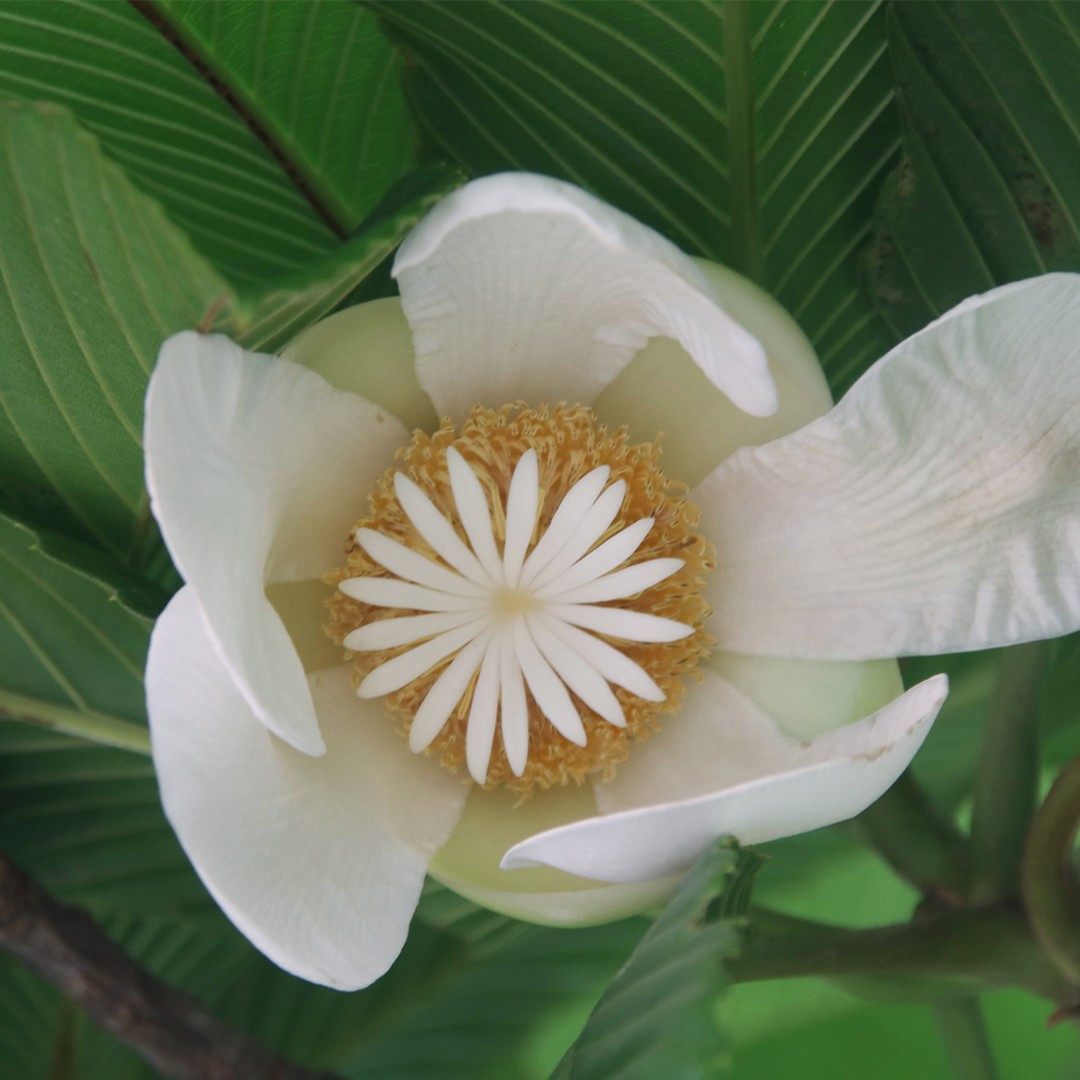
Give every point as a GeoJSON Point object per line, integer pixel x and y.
{"type": "Point", "coordinates": [620, 623]}
{"type": "Point", "coordinates": [389, 592]}
{"type": "Point", "coordinates": [319, 861]}
{"type": "Point", "coordinates": [437, 531]}
{"type": "Point", "coordinates": [663, 390]}
{"type": "Point", "coordinates": [546, 687]}
{"type": "Point", "coordinates": [718, 739]}
{"type": "Point", "coordinates": [806, 698]}
{"type": "Point", "coordinates": [576, 905]}
{"type": "Point", "coordinates": [613, 665]}
{"type": "Point", "coordinates": [256, 469]}
{"type": "Point", "coordinates": [389, 633]}
{"type": "Point", "coordinates": [483, 713]}
{"type": "Point", "coordinates": [524, 287]}
{"type": "Point", "coordinates": [611, 553]}
{"type": "Point", "coordinates": [474, 512]}
{"type": "Point", "coordinates": [493, 822]}
{"type": "Point", "coordinates": [367, 349]}
{"type": "Point", "coordinates": [591, 526]}
{"type": "Point", "coordinates": [412, 566]}
{"type": "Point", "coordinates": [444, 695]}
{"type": "Point", "coordinates": [401, 671]}
{"type": "Point", "coordinates": [564, 522]}
{"type": "Point", "coordinates": [837, 777]}
{"type": "Point", "coordinates": [935, 509]}
{"type": "Point", "coordinates": [522, 506]}
{"type": "Point", "coordinates": [577, 673]}
{"type": "Point", "coordinates": [622, 584]}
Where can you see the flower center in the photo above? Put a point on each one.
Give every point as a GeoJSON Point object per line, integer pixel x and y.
{"type": "Point", "coordinates": [525, 594]}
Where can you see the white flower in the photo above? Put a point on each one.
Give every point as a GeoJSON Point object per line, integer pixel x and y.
{"type": "Point", "coordinates": [935, 509]}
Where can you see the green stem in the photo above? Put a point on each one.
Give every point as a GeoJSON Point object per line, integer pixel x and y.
{"type": "Point", "coordinates": [963, 1031]}
{"type": "Point", "coordinates": [916, 839]}
{"type": "Point", "coordinates": [1007, 779]}
{"type": "Point", "coordinates": [745, 253]}
{"type": "Point", "coordinates": [947, 954]}
{"type": "Point", "coordinates": [83, 723]}
{"type": "Point", "coordinates": [1051, 889]}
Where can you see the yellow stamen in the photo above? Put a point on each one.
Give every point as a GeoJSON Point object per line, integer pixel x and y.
{"type": "Point", "coordinates": [568, 444]}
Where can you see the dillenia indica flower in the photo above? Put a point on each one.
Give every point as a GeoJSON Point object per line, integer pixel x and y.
{"type": "Point", "coordinates": [561, 655]}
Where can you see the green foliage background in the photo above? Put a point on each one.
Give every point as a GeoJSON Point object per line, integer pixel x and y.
{"type": "Point", "coordinates": [180, 163]}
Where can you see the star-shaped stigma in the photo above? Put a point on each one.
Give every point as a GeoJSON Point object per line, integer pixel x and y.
{"type": "Point", "coordinates": [525, 616]}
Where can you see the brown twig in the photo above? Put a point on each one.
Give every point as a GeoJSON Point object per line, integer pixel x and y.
{"type": "Point", "coordinates": [172, 1031]}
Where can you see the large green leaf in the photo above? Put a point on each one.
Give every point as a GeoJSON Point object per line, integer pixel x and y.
{"type": "Point", "coordinates": [265, 130]}
{"type": "Point", "coordinates": [167, 126]}
{"type": "Point", "coordinates": [87, 822]}
{"type": "Point", "coordinates": [989, 187]}
{"type": "Point", "coordinates": [71, 646]}
{"type": "Point", "coordinates": [269, 317]}
{"type": "Point", "coordinates": [319, 80]}
{"type": "Point", "coordinates": [481, 1020]}
{"type": "Point", "coordinates": [93, 277]}
{"type": "Point", "coordinates": [203, 956]}
{"type": "Point", "coordinates": [754, 134]}
{"type": "Point", "coordinates": [656, 1018]}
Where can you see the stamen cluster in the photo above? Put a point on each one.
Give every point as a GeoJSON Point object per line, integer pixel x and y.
{"type": "Point", "coordinates": [532, 576]}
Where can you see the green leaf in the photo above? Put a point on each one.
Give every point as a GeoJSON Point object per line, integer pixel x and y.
{"type": "Point", "coordinates": [656, 1017]}
{"type": "Point", "coordinates": [202, 955]}
{"type": "Point", "coordinates": [86, 821]}
{"type": "Point", "coordinates": [319, 80]}
{"type": "Point", "coordinates": [270, 317]}
{"type": "Point", "coordinates": [159, 118]}
{"type": "Point", "coordinates": [72, 648]}
{"type": "Point", "coordinates": [92, 278]}
{"type": "Point", "coordinates": [754, 134]}
{"type": "Point", "coordinates": [989, 187]}
{"type": "Point", "coordinates": [481, 1020]}
{"type": "Point", "coordinates": [38, 1037]}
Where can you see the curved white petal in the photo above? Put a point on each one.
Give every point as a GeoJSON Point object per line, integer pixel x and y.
{"type": "Point", "coordinates": [524, 287]}
{"type": "Point", "coordinates": [257, 469]}
{"type": "Point", "coordinates": [719, 739]}
{"type": "Point", "coordinates": [367, 349]}
{"type": "Point", "coordinates": [935, 509]}
{"type": "Point", "coordinates": [806, 698]}
{"type": "Point", "coordinates": [603, 902]}
{"type": "Point", "coordinates": [663, 390]}
{"type": "Point", "coordinates": [792, 788]}
{"type": "Point", "coordinates": [494, 821]}
{"type": "Point", "coordinates": [319, 861]}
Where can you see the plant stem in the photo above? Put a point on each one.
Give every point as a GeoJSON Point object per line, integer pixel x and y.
{"type": "Point", "coordinates": [1007, 778]}
{"type": "Point", "coordinates": [1050, 886]}
{"type": "Point", "coordinates": [948, 954]}
{"type": "Point", "coordinates": [83, 723]}
{"type": "Point", "coordinates": [916, 839]}
{"type": "Point", "coordinates": [963, 1031]}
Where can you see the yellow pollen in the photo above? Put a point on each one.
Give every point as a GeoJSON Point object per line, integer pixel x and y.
{"type": "Point", "coordinates": [559, 623]}
{"type": "Point", "coordinates": [511, 602]}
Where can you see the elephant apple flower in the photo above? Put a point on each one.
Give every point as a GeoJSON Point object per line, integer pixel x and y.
{"type": "Point", "coordinates": [453, 606]}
